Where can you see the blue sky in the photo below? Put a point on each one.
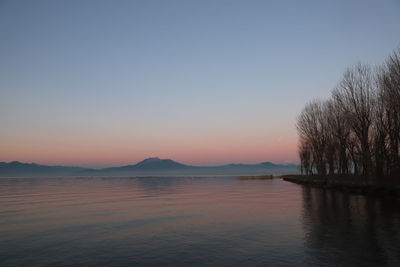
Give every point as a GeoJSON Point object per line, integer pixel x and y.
{"type": "Point", "coordinates": [99, 83]}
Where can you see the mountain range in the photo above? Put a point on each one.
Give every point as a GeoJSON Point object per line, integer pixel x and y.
{"type": "Point", "coordinates": [148, 167]}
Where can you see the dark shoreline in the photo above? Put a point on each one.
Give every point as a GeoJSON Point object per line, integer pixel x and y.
{"type": "Point", "coordinates": [347, 184]}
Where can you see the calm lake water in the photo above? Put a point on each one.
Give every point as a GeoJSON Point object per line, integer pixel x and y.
{"type": "Point", "coordinates": [214, 221]}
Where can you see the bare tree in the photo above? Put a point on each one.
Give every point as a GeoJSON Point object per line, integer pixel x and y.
{"type": "Point", "coordinates": [356, 98]}
{"type": "Point", "coordinates": [311, 126]}
{"type": "Point", "coordinates": [339, 132]}
{"type": "Point", "coordinates": [380, 134]}
{"type": "Point", "coordinates": [389, 90]}
{"type": "Point", "coordinates": [305, 158]}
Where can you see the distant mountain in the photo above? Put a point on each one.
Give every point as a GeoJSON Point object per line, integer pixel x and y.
{"type": "Point", "coordinates": [156, 163]}
{"type": "Point", "coordinates": [16, 168]}
{"type": "Point", "coordinates": [147, 167]}
{"type": "Point", "coordinates": [151, 164]}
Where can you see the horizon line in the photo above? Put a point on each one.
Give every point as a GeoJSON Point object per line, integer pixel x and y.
{"type": "Point", "coordinates": [131, 164]}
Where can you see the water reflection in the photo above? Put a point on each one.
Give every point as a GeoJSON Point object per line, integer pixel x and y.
{"type": "Point", "coordinates": [214, 221]}
{"type": "Point", "coordinates": [350, 230]}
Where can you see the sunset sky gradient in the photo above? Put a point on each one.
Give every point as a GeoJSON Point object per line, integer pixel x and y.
{"type": "Point", "coordinates": [106, 83]}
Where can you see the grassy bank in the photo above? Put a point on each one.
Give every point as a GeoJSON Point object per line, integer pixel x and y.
{"type": "Point", "coordinates": [352, 184]}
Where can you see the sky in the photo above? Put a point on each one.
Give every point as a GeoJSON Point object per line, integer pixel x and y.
{"type": "Point", "coordinates": [108, 83]}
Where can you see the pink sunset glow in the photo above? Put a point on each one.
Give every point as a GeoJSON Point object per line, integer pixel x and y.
{"type": "Point", "coordinates": [195, 150]}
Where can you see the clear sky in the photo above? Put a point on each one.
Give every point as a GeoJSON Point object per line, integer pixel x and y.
{"type": "Point", "coordinates": [105, 83]}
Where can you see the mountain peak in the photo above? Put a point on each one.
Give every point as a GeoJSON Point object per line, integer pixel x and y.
{"type": "Point", "coordinates": [157, 163]}
{"type": "Point", "coordinates": [267, 163]}
{"type": "Point", "coordinates": [17, 163]}
{"type": "Point", "coordinates": [148, 160]}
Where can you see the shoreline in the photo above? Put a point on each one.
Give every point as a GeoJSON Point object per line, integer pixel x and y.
{"type": "Point", "coordinates": [348, 184]}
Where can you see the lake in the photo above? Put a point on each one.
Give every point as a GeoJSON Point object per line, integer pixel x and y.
{"type": "Point", "coordinates": [181, 221]}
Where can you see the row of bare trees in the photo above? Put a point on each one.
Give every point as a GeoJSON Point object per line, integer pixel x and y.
{"type": "Point", "coordinates": [356, 131]}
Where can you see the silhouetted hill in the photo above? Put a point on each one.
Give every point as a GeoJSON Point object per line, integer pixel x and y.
{"type": "Point", "coordinates": [156, 163]}
{"type": "Point", "coordinates": [152, 164]}
{"type": "Point", "coordinates": [16, 168]}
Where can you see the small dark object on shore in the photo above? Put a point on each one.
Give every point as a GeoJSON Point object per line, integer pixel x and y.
{"type": "Point", "coordinates": [257, 177]}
